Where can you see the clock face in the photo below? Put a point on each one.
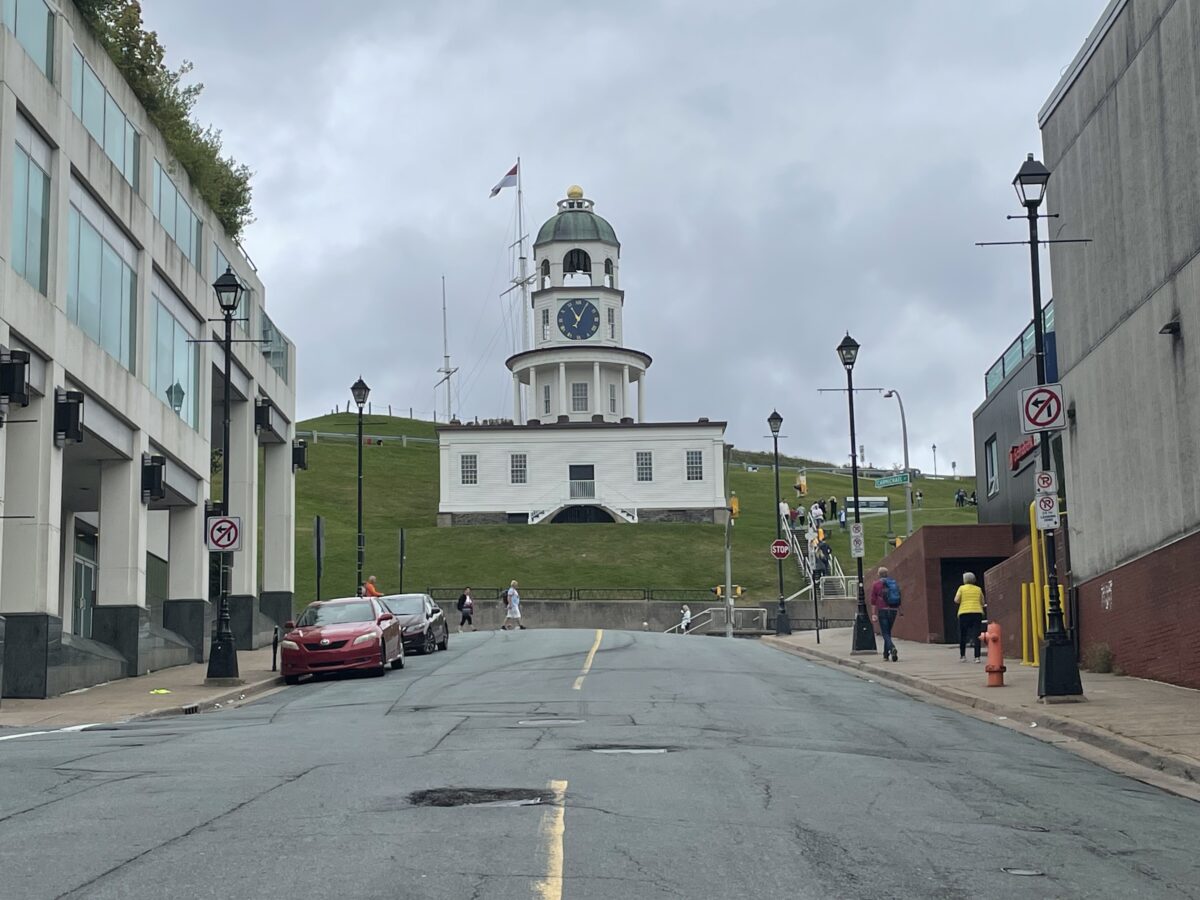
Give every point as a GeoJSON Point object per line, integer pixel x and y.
{"type": "Point", "coordinates": [578, 319]}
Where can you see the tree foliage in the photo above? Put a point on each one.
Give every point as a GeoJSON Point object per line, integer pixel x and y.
{"type": "Point", "coordinates": [223, 182]}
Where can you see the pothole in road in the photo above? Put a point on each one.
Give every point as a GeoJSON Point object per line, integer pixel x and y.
{"type": "Point", "coordinates": [549, 723]}
{"type": "Point", "coordinates": [477, 797]}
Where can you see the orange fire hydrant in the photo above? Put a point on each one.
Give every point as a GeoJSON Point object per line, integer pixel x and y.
{"type": "Point", "coordinates": [995, 667]}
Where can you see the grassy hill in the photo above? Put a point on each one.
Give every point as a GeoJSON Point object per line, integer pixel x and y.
{"type": "Point", "coordinates": [401, 491]}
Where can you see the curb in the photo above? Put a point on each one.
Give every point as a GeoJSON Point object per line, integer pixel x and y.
{"type": "Point", "coordinates": [1171, 764]}
{"type": "Point", "coordinates": [245, 691]}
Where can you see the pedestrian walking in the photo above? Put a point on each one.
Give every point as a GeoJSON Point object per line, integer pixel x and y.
{"type": "Point", "coordinates": [816, 514]}
{"type": "Point", "coordinates": [685, 620]}
{"type": "Point", "coordinates": [370, 589]}
{"type": "Point", "coordinates": [512, 615]}
{"type": "Point", "coordinates": [920, 498]}
{"type": "Point", "coordinates": [969, 600]}
{"type": "Point", "coordinates": [833, 508]}
{"type": "Point", "coordinates": [842, 519]}
{"type": "Point", "coordinates": [785, 511]}
{"type": "Point", "coordinates": [885, 598]}
{"type": "Point", "coordinates": [466, 607]}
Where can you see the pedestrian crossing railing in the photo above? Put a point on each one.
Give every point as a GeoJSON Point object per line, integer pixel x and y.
{"type": "Point", "coordinates": [745, 618]}
{"type": "Point", "coordinates": [698, 621]}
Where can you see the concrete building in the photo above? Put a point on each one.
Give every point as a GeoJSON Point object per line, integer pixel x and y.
{"type": "Point", "coordinates": [1119, 133]}
{"type": "Point", "coordinates": [109, 257]}
{"type": "Point", "coordinates": [1004, 457]}
{"type": "Point", "coordinates": [581, 455]}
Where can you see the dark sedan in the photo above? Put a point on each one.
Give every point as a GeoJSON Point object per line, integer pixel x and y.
{"type": "Point", "coordinates": [339, 635]}
{"type": "Point", "coordinates": [422, 622]}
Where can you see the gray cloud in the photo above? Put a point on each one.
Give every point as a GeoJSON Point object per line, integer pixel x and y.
{"type": "Point", "coordinates": [777, 174]}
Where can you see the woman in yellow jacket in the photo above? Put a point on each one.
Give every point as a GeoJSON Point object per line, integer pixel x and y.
{"type": "Point", "coordinates": [969, 600]}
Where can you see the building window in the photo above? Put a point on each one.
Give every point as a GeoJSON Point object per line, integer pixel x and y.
{"type": "Point", "coordinates": [579, 397]}
{"type": "Point", "coordinates": [612, 398]}
{"type": "Point", "coordinates": [545, 273]}
{"type": "Point", "coordinates": [103, 118]}
{"type": "Point", "coordinates": [177, 217]}
{"type": "Point", "coordinates": [517, 468]}
{"type": "Point", "coordinates": [470, 468]}
{"type": "Point", "coordinates": [31, 206]}
{"type": "Point", "coordinates": [275, 347]}
{"type": "Point", "coordinates": [545, 324]}
{"type": "Point", "coordinates": [695, 465]}
{"type": "Point", "coordinates": [609, 277]}
{"type": "Point", "coordinates": [645, 465]}
{"type": "Point", "coordinates": [612, 323]}
{"type": "Point", "coordinates": [33, 24]}
{"type": "Point", "coordinates": [990, 466]}
{"type": "Point", "coordinates": [102, 279]}
{"type": "Point", "coordinates": [545, 399]}
{"type": "Point", "coordinates": [174, 359]}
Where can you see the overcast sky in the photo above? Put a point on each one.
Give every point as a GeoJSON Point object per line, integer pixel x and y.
{"type": "Point", "coordinates": [777, 173]}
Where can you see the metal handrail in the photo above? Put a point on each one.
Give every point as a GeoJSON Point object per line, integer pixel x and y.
{"type": "Point", "coordinates": [695, 623]}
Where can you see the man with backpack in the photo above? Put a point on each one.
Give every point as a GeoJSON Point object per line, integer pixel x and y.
{"type": "Point", "coordinates": [885, 598]}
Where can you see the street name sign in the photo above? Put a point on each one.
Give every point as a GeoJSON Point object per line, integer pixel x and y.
{"type": "Point", "coordinates": [1047, 512]}
{"type": "Point", "coordinates": [892, 480]}
{"type": "Point", "coordinates": [1045, 483]}
{"type": "Point", "coordinates": [858, 544]}
{"type": "Point", "coordinates": [1042, 409]}
{"type": "Point", "coordinates": [223, 534]}
{"type": "Point", "coordinates": [780, 549]}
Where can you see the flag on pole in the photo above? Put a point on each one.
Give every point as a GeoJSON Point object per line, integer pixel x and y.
{"type": "Point", "coordinates": [507, 181]}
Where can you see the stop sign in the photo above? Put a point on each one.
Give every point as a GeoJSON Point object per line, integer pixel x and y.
{"type": "Point", "coordinates": [780, 549]}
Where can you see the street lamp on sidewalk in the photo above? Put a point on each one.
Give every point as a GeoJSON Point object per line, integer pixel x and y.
{"type": "Point", "coordinates": [222, 653]}
{"type": "Point", "coordinates": [360, 391]}
{"type": "Point", "coordinates": [1058, 674]}
{"type": "Point", "coordinates": [782, 624]}
{"type": "Point", "coordinates": [864, 634]}
{"type": "Point", "coordinates": [935, 459]}
{"type": "Point", "coordinates": [907, 471]}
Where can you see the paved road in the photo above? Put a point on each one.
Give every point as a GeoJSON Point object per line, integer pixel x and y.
{"type": "Point", "coordinates": [784, 779]}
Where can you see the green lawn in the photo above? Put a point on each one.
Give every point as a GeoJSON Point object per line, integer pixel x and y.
{"type": "Point", "coordinates": [401, 490]}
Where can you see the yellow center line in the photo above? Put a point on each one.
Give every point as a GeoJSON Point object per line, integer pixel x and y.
{"type": "Point", "coordinates": [552, 829]}
{"type": "Point", "coordinates": [587, 663]}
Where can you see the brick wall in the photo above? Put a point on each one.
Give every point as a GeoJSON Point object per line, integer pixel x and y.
{"type": "Point", "coordinates": [1148, 612]}
{"type": "Point", "coordinates": [1002, 587]}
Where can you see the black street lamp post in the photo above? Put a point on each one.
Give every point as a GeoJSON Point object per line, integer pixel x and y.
{"type": "Point", "coordinates": [783, 624]}
{"type": "Point", "coordinates": [360, 391]}
{"type": "Point", "coordinates": [222, 654]}
{"type": "Point", "coordinates": [1058, 674]}
{"type": "Point", "coordinates": [864, 634]}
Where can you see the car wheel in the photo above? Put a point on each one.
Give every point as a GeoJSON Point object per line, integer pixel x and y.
{"type": "Point", "coordinates": [398, 662]}
{"type": "Point", "coordinates": [430, 643]}
{"type": "Point", "coordinates": [291, 679]}
{"type": "Point", "coordinates": [383, 660]}
{"type": "Point", "coordinates": [445, 641]}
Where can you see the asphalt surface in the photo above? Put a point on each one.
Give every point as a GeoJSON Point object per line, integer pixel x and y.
{"type": "Point", "coordinates": [782, 779]}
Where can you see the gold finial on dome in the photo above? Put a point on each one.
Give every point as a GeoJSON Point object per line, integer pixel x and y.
{"type": "Point", "coordinates": [574, 192]}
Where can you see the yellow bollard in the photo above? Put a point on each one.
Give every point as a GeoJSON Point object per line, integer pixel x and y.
{"type": "Point", "coordinates": [1025, 657]}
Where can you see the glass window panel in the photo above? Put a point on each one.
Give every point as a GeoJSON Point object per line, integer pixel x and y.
{"type": "Point", "coordinates": [182, 368]}
{"type": "Point", "coordinates": [77, 82]}
{"type": "Point", "coordinates": [194, 249]}
{"type": "Point", "coordinates": [164, 349]}
{"type": "Point", "coordinates": [110, 301]}
{"type": "Point", "coordinates": [20, 208]}
{"type": "Point", "coordinates": [114, 131]}
{"type": "Point", "coordinates": [33, 30]}
{"type": "Point", "coordinates": [10, 15]}
{"type": "Point", "coordinates": [167, 216]}
{"type": "Point", "coordinates": [38, 228]}
{"type": "Point", "coordinates": [128, 315]}
{"type": "Point", "coordinates": [131, 154]}
{"type": "Point", "coordinates": [1012, 357]}
{"type": "Point", "coordinates": [73, 274]}
{"type": "Point", "coordinates": [93, 103]}
{"type": "Point", "coordinates": [89, 279]}
{"type": "Point", "coordinates": [155, 177]}
{"type": "Point", "coordinates": [183, 222]}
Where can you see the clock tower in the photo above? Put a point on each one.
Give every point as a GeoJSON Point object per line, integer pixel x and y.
{"type": "Point", "coordinates": [578, 370]}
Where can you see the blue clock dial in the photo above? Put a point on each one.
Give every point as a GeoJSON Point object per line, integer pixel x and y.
{"type": "Point", "coordinates": [578, 320]}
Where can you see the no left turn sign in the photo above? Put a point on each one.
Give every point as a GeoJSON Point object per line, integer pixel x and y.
{"type": "Point", "coordinates": [1042, 409]}
{"type": "Point", "coordinates": [223, 534]}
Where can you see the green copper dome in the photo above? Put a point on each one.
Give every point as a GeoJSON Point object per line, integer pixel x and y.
{"type": "Point", "coordinates": [575, 221]}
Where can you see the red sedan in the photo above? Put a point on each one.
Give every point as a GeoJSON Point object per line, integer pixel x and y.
{"type": "Point", "coordinates": [340, 635]}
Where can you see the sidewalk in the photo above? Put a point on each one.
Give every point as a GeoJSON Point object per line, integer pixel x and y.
{"type": "Point", "coordinates": [1150, 724]}
{"type": "Point", "coordinates": [131, 698]}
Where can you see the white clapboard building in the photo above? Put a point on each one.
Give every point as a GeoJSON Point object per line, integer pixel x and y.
{"type": "Point", "coordinates": [585, 453]}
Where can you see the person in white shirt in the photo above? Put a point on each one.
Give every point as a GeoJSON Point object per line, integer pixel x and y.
{"type": "Point", "coordinates": [686, 619]}
{"type": "Point", "coordinates": [512, 618]}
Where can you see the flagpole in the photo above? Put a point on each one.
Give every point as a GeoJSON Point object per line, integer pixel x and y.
{"type": "Point", "coordinates": [522, 261]}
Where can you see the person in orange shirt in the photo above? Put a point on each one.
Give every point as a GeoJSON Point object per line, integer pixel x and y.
{"type": "Point", "coordinates": [370, 590]}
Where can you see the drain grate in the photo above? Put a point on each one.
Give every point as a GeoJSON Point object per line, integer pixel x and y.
{"type": "Point", "coordinates": [191, 709]}
{"type": "Point", "coordinates": [445, 797]}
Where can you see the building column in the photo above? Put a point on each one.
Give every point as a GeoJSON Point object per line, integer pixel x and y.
{"type": "Point", "coordinates": [516, 399]}
{"type": "Point", "coordinates": [29, 580]}
{"type": "Point", "coordinates": [279, 531]}
{"type": "Point", "coordinates": [187, 610]}
{"type": "Point", "coordinates": [624, 390]}
{"type": "Point", "coordinates": [598, 401]}
{"type": "Point", "coordinates": [121, 561]}
{"type": "Point", "coordinates": [562, 389]}
{"type": "Point", "coordinates": [241, 468]}
{"type": "Point", "coordinates": [535, 409]}
{"type": "Point", "coordinates": [641, 397]}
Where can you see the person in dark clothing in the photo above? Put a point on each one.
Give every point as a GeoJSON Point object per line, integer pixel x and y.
{"type": "Point", "coordinates": [466, 606]}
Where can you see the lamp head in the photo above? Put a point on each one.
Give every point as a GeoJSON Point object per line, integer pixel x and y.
{"type": "Point", "coordinates": [775, 420]}
{"type": "Point", "coordinates": [848, 351]}
{"type": "Point", "coordinates": [229, 290]}
{"type": "Point", "coordinates": [1030, 183]}
{"type": "Point", "coordinates": [360, 391]}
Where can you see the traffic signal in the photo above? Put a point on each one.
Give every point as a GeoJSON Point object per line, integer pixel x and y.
{"type": "Point", "coordinates": [719, 590]}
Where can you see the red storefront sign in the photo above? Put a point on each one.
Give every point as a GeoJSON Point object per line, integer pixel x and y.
{"type": "Point", "coordinates": [1019, 451]}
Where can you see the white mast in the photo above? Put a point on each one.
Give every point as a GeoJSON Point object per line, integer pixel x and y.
{"type": "Point", "coordinates": [520, 281]}
{"type": "Point", "coordinates": [445, 370]}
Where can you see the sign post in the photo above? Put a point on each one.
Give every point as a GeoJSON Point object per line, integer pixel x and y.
{"type": "Point", "coordinates": [780, 549]}
{"type": "Point", "coordinates": [319, 550]}
{"type": "Point", "coordinates": [402, 556]}
{"type": "Point", "coordinates": [858, 545]}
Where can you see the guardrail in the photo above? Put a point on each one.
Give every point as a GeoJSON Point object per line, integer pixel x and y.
{"type": "Point", "coordinates": [666, 595]}
{"type": "Point", "coordinates": [351, 437]}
